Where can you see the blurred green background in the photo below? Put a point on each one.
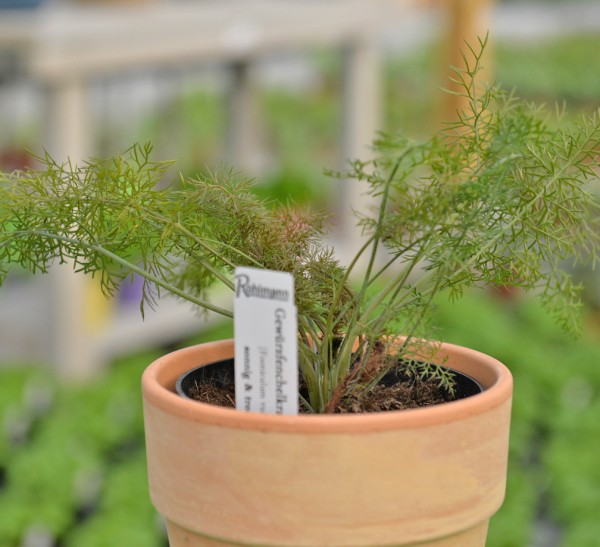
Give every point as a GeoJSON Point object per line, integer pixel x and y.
{"type": "Point", "coordinates": [72, 461]}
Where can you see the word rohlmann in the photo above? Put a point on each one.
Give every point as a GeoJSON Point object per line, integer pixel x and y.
{"type": "Point", "coordinates": [253, 290]}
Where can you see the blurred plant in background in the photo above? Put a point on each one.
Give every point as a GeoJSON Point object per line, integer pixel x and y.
{"type": "Point", "coordinates": [72, 460]}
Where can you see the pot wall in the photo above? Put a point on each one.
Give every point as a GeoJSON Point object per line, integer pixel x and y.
{"type": "Point", "coordinates": [399, 478]}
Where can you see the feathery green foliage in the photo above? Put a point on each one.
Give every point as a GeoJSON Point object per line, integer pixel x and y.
{"type": "Point", "coordinates": [496, 197]}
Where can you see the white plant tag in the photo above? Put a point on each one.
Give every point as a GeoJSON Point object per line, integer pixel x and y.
{"type": "Point", "coordinates": [266, 346]}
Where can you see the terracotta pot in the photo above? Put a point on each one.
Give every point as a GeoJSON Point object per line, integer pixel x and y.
{"type": "Point", "coordinates": [428, 477]}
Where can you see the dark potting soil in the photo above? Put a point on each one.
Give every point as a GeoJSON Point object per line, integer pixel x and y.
{"type": "Point", "coordinates": [406, 394]}
{"type": "Point", "coordinates": [214, 384]}
{"type": "Point", "coordinates": [213, 392]}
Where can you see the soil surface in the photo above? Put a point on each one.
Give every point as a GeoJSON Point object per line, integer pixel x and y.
{"type": "Point", "coordinates": [407, 393]}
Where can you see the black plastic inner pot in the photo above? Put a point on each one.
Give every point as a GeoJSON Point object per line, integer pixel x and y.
{"type": "Point", "coordinates": [221, 372]}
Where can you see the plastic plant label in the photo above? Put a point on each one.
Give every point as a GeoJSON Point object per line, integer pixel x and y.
{"type": "Point", "coordinates": [266, 346]}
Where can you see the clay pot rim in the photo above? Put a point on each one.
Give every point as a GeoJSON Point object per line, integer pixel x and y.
{"type": "Point", "coordinates": [158, 389]}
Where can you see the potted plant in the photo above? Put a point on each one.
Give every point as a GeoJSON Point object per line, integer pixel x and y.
{"type": "Point", "coordinates": [498, 198]}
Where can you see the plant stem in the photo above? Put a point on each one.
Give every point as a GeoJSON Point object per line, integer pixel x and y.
{"type": "Point", "coordinates": [147, 275]}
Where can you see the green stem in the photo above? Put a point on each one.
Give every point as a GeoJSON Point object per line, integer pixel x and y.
{"type": "Point", "coordinates": [381, 216]}
{"type": "Point", "coordinates": [147, 275]}
{"type": "Point", "coordinates": [219, 275]}
{"type": "Point", "coordinates": [355, 300]}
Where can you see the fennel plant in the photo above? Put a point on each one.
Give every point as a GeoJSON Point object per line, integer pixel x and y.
{"type": "Point", "coordinates": [498, 197]}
